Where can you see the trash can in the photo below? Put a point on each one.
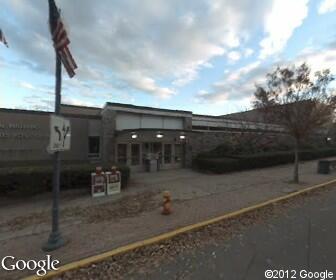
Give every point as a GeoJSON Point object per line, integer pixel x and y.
{"type": "Point", "coordinates": [323, 167]}
{"type": "Point", "coordinates": [153, 165]}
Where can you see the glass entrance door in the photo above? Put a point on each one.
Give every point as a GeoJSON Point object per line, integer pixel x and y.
{"type": "Point", "coordinates": [167, 153]}
{"type": "Point", "coordinates": [152, 150]}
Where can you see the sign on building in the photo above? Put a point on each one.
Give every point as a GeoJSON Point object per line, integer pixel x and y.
{"type": "Point", "coordinates": [60, 134]}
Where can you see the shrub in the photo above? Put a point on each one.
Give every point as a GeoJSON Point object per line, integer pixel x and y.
{"type": "Point", "coordinates": [23, 181]}
{"type": "Point", "coordinates": [244, 162]}
{"type": "Point", "coordinates": [216, 165]}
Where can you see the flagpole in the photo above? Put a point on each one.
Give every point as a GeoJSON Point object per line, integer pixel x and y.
{"type": "Point", "coordinates": [55, 239]}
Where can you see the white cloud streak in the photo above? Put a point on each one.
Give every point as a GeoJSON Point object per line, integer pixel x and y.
{"type": "Point", "coordinates": [112, 40]}
{"type": "Point", "coordinates": [327, 6]}
{"type": "Point", "coordinates": [280, 23]}
{"type": "Point", "coordinates": [240, 84]}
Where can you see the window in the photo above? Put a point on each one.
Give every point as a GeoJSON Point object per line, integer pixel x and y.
{"type": "Point", "coordinates": [167, 153]}
{"type": "Point", "coordinates": [94, 146]}
{"type": "Point", "coordinates": [178, 152]}
{"type": "Point", "coordinates": [135, 150]}
{"type": "Point", "coordinates": [157, 150]}
{"type": "Point", "coordinates": [122, 153]}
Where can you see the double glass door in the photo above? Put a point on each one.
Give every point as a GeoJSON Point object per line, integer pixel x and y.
{"type": "Point", "coordinates": [152, 150]}
{"type": "Point", "coordinates": [168, 155]}
{"type": "Point", "coordinates": [163, 152]}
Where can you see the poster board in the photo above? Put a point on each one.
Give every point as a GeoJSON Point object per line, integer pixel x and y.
{"type": "Point", "coordinates": [98, 184]}
{"type": "Point", "coordinates": [113, 183]}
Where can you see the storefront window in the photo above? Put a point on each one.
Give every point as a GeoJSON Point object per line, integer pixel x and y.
{"type": "Point", "coordinates": [94, 147]}
{"type": "Point", "coordinates": [135, 154]}
{"type": "Point", "coordinates": [122, 153]}
{"type": "Point", "coordinates": [157, 150]}
{"type": "Point", "coordinates": [167, 153]}
{"type": "Point", "coordinates": [178, 152]}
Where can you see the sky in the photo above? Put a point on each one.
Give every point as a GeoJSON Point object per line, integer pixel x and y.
{"type": "Point", "coordinates": [204, 56]}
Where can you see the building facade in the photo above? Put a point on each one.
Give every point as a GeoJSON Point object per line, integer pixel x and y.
{"type": "Point", "coordinates": [118, 134]}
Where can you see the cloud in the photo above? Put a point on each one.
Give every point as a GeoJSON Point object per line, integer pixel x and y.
{"type": "Point", "coordinates": [237, 85]}
{"type": "Point", "coordinates": [319, 60]}
{"type": "Point", "coordinates": [80, 102]}
{"type": "Point", "coordinates": [240, 84]}
{"type": "Point", "coordinates": [47, 103]}
{"type": "Point", "coordinates": [327, 6]}
{"type": "Point", "coordinates": [147, 84]}
{"type": "Point", "coordinates": [37, 102]}
{"type": "Point", "coordinates": [30, 87]}
{"type": "Point", "coordinates": [248, 52]}
{"type": "Point", "coordinates": [234, 56]}
{"type": "Point", "coordinates": [111, 40]}
{"type": "Point", "coordinates": [280, 23]}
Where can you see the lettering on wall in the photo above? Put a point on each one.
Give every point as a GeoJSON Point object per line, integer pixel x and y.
{"type": "Point", "coordinates": [21, 131]}
{"type": "Point", "coordinates": [18, 126]}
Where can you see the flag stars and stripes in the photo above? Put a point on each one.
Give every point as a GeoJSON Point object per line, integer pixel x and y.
{"type": "Point", "coordinates": [3, 39]}
{"type": "Point", "coordinates": [61, 41]}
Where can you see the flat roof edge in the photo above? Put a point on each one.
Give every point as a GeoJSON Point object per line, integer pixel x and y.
{"type": "Point", "coordinates": [146, 108]}
{"type": "Point", "coordinates": [25, 111]}
{"type": "Point", "coordinates": [81, 106]}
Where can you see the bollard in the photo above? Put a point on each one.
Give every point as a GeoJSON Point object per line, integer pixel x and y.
{"type": "Point", "coordinates": [166, 209]}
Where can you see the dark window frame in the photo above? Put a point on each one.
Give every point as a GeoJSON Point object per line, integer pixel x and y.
{"type": "Point", "coordinates": [135, 159]}
{"type": "Point", "coordinates": [95, 152]}
{"type": "Point", "coordinates": [122, 159]}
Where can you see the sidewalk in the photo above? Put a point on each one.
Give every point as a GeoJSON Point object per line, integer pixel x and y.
{"type": "Point", "coordinates": [92, 226]}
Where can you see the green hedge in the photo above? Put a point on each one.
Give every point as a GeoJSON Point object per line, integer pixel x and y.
{"type": "Point", "coordinates": [37, 179]}
{"type": "Point", "coordinates": [244, 162]}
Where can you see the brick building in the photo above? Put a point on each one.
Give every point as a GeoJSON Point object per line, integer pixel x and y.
{"type": "Point", "coordinates": [119, 133]}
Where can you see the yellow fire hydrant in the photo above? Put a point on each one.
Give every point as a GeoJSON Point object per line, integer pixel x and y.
{"type": "Point", "coordinates": [166, 209]}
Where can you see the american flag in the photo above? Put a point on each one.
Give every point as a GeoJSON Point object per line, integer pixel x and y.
{"type": "Point", "coordinates": [60, 38]}
{"type": "Point", "coordinates": [3, 39]}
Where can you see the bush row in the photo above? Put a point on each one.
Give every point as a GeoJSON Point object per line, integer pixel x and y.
{"type": "Point", "coordinates": [32, 180]}
{"type": "Point", "coordinates": [244, 162]}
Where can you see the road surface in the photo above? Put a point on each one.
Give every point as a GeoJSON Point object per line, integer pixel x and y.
{"type": "Point", "coordinates": [300, 239]}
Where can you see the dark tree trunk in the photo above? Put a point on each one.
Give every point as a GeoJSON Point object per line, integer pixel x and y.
{"type": "Point", "coordinates": [296, 162]}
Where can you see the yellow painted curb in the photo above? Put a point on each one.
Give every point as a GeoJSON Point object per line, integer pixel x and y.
{"type": "Point", "coordinates": [168, 235]}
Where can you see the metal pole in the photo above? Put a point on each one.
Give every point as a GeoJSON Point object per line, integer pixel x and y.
{"type": "Point", "coordinates": [55, 239]}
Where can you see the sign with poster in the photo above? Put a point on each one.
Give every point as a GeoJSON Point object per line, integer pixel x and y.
{"type": "Point", "coordinates": [98, 184]}
{"type": "Point", "coordinates": [113, 182]}
{"type": "Point", "coordinates": [60, 134]}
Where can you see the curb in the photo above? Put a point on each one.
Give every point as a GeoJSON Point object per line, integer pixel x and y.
{"type": "Point", "coordinates": [168, 235]}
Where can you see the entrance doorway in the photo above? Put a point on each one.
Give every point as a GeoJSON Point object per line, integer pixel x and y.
{"type": "Point", "coordinates": [159, 155]}
{"type": "Point", "coordinates": [152, 150]}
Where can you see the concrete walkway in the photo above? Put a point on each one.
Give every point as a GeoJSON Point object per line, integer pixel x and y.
{"type": "Point", "coordinates": [95, 225]}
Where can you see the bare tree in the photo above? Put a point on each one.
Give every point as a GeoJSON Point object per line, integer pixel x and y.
{"type": "Point", "coordinates": [302, 103]}
{"type": "Point", "coordinates": [250, 138]}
